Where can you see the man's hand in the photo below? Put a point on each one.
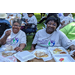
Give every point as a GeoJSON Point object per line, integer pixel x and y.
{"type": "Point", "coordinates": [8, 33]}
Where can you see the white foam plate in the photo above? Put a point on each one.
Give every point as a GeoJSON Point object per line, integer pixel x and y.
{"type": "Point", "coordinates": [1, 50]}
{"type": "Point", "coordinates": [52, 48]}
{"type": "Point", "coordinates": [30, 56]}
{"type": "Point", "coordinates": [67, 58]}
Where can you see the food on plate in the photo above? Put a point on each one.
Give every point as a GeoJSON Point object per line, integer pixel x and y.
{"type": "Point", "coordinates": [61, 59]}
{"type": "Point", "coordinates": [57, 51]}
{"type": "Point", "coordinates": [62, 52]}
{"type": "Point", "coordinates": [40, 54]}
{"type": "Point", "coordinates": [9, 48]}
{"type": "Point", "coordinates": [7, 54]}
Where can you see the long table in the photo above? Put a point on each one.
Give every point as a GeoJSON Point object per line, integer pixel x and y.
{"type": "Point", "coordinates": [40, 60]}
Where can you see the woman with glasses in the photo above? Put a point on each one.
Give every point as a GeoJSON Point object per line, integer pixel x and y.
{"type": "Point", "coordinates": [51, 36]}
{"type": "Point", "coordinates": [14, 37]}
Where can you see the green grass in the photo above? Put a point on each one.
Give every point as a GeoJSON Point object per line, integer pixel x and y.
{"type": "Point", "coordinates": [30, 38]}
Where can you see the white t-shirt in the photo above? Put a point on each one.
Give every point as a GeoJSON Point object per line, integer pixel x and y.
{"type": "Point", "coordinates": [56, 39]}
{"type": "Point", "coordinates": [9, 14]}
{"type": "Point", "coordinates": [15, 39]}
{"type": "Point", "coordinates": [32, 20]}
{"type": "Point", "coordinates": [25, 15]}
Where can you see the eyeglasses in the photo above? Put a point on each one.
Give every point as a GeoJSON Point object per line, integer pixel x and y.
{"type": "Point", "coordinates": [16, 25]}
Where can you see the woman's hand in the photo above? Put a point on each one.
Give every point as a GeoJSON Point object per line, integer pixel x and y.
{"type": "Point", "coordinates": [7, 33]}
{"type": "Point", "coordinates": [18, 49]}
{"type": "Point", "coordinates": [22, 46]}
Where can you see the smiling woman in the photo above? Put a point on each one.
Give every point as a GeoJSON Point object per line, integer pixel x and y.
{"type": "Point", "coordinates": [50, 36]}
{"type": "Point", "coordinates": [16, 27]}
{"type": "Point", "coordinates": [14, 37]}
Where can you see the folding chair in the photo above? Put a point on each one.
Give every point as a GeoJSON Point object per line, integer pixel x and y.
{"type": "Point", "coordinates": [29, 30]}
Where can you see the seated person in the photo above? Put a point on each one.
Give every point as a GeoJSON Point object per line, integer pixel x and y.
{"type": "Point", "coordinates": [14, 37]}
{"type": "Point", "coordinates": [4, 24]}
{"type": "Point", "coordinates": [66, 19]}
{"type": "Point", "coordinates": [51, 37]}
{"type": "Point", "coordinates": [31, 24]}
{"type": "Point", "coordinates": [25, 15]}
{"type": "Point", "coordinates": [10, 16]}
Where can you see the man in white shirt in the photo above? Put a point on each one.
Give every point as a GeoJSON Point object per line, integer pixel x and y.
{"type": "Point", "coordinates": [31, 23]}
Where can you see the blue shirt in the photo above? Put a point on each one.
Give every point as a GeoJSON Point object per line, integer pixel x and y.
{"type": "Point", "coordinates": [5, 21]}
